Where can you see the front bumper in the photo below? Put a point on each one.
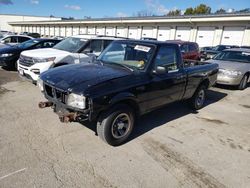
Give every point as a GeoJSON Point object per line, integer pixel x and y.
{"type": "Point", "coordinates": [57, 98]}
{"type": "Point", "coordinates": [33, 72]}
{"type": "Point", "coordinates": [226, 80]}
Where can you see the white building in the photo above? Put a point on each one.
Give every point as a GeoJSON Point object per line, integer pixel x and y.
{"type": "Point", "coordinates": [5, 18]}
{"type": "Point", "coordinates": [207, 30]}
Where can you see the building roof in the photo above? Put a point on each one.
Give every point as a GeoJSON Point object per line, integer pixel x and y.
{"type": "Point", "coordinates": [149, 19]}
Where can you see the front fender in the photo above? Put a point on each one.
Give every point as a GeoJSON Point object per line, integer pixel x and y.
{"type": "Point", "coordinates": [122, 97]}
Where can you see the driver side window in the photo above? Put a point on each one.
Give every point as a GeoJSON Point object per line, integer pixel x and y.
{"type": "Point", "coordinates": [166, 57]}
{"type": "Point", "coordinates": [93, 46]}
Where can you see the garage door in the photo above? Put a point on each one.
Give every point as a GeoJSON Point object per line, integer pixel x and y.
{"type": "Point", "coordinates": [120, 32]}
{"type": "Point", "coordinates": [205, 36]}
{"type": "Point", "coordinates": [232, 35]}
{"type": "Point", "coordinates": [75, 30]}
{"type": "Point", "coordinates": [42, 30]}
{"type": "Point", "coordinates": [183, 33]}
{"type": "Point", "coordinates": [163, 33]}
{"type": "Point", "coordinates": [100, 30]}
{"type": "Point", "coordinates": [57, 31]}
{"type": "Point", "coordinates": [91, 30]}
{"type": "Point", "coordinates": [52, 31]}
{"type": "Point", "coordinates": [47, 30]}
{"type": "Point", "coordinates": [69, 31]}
{"type": "Point", "coordinates": [147, 32]}
{"type": "Point", "coordinates": [83, 30]}
{"type": "Point", "coordinates": [110, 31]}
{"type": "Point", "coordinates": [62, 31]}
{"type": "Point", "coordinates": [132, 32]}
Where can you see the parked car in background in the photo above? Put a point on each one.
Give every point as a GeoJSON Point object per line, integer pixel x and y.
{"type": "Point", "coordinates": [129, 78]}
{"type": "Point", "coordinates": [203, 52]}
{"type": "Point", "coordinates": [75, 49]}
{"type": "Point", "coordinates": [234, 67]}
{"type": "Point", "coordinates": [209, 54]}
{"type": "Point", "coordinates": [189, 50]}
{"type": "Point", "coordinates": [10, 54]}
{"type": "Point", "coordinates": [58, 37]}
{"type": "Point", "coordinates": [13, 40]}
{"type": "Point", "coordinates": [245, 47]}
{"type": "Point", "coordinates": [34, 35]}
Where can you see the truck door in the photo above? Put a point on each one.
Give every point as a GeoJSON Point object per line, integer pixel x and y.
{"type": "Point", "coordinates": [169, 86]}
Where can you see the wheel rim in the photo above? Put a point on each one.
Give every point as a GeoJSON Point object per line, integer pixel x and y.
{"type": "Point", "coordinates": [200, 98]}
{"type": "Point", "coordinates": [121, 125]}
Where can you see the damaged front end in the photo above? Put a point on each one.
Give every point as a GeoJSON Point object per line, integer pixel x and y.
{"type": "Point", "coordinates": [69, 107]}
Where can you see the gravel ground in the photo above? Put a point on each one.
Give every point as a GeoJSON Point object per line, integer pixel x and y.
{"type": "Point", "coordinates": [171, 147]}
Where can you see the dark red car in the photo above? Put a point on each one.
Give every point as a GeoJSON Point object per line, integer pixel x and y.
{"type": "Point", "coordinates": [189, 50]}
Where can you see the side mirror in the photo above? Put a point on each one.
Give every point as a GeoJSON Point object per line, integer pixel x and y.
{"type": "Point", "coordinates": [3, 41]}
{"type": "Point", "coordinates": [160, 70]}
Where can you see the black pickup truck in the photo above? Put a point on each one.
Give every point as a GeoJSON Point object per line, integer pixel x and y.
{"type": "Point", "coordinates": [128, 79]}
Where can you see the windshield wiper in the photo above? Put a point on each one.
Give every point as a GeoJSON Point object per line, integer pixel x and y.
{"type": "Point", "coordinates": [121, 65]}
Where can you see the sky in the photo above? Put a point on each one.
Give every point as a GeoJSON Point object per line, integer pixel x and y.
{"type": "Point", "coordinates": [109, 8]}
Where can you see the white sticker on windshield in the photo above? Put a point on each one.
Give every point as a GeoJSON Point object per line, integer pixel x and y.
{"type": "Point", "coordinates": [245, 53]}
{"type": "Point", "coordinates": [142, 48]}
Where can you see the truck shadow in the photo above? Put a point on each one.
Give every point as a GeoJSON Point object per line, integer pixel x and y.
{"type": "Point", "coordinates": [169, 113]}
{"type": "Point", "coordinates": [164, 115]}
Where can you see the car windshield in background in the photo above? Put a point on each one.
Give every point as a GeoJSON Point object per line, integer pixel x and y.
{"type": "Point", "coordinates": [70, 44]}
{"type": "Point", "coordinates": [132, 55]}
{"type": "Point", "coordinates": [27, 44]}
{"type": "Point", "coordinates": [234, 56]}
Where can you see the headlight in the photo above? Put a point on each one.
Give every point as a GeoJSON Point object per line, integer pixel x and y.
{"type": "Point", "coordinates": [6, 55]}
{"type": "Point", "coordinates": [230, 73]}
{"type": "Point", "coordinates": [77, 101]}
{"type": "Point", "coordinates": [43, 60]}
{"type": "Point", "coordinates": [40, 84]}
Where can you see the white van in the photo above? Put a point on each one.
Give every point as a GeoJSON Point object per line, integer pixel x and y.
{"type": "Point", "coordinates": [75, 49]}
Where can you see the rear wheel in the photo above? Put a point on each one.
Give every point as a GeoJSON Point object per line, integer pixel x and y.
{"type": "Point", "coordinates": [199, 97]}
{"type": "Point", "coordinates": [243, 82]}
{"type": "Point", "coordinates": [115, 126]}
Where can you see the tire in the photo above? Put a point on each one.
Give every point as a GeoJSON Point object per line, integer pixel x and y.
{"type": "Point", "coordinates": [243, 83]}
{"type": "Point", "coordinates": [198, 99]}
{"type": "Point", "coordinates": [108, 128]}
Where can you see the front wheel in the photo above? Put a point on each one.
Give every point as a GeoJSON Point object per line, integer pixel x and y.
{"type": "Point", "coordinates": [243, 83]}
{"type": "Point", "coordinates": [115, 126]}
{"type": "Point", "coordinates": [198, 99]}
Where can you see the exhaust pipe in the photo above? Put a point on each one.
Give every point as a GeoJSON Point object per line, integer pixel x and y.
{"type": "Point", "coordinates": [68, 117]}
{"type": "Point", "coordinates": [45, 104]}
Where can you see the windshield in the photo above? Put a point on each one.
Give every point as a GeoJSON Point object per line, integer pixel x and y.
{"type": "Point", "coordinates": [133, 55]}
{"type": "Point", "coordinates": [27, 44]}
{"type": "Point", "coordinates": [235, 56]}
{"type": "Point", "coordinates": [70, 44]}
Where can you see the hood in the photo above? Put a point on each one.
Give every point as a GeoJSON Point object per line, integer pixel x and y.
{"type": "Point", "coordinates": [83, 75]}
{"type": "Point", "coordinates": [9, 49]}
{"type": "Point", "coordinates": [229, 65]}
{"type": "Point", "coordinates": [45, 53]}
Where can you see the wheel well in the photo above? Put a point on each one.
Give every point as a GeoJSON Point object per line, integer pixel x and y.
{"type": "Point", "coordinates": [128, 102]}
{"type": "Point", "coordinates": [205, 83]}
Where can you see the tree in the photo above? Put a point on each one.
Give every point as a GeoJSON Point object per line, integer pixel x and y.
{"type": "Point", "coordinates": [220, 11]}
{"type": "Point", "coordinates": [144, 13]}
{"type": "Point", "coordinates": [176, 12]}
{"type": "Point", "coordinates": [246, 10]}
{"type": "Point", "coordinates": [189, 11]}
{"type": "Point", "coordinates": [202, 9]}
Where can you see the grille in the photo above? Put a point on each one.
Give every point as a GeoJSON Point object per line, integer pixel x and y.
{"type": "Point", "coordinates": [55, 93]}
{"type": "Point", "coordinates": [26, 61]}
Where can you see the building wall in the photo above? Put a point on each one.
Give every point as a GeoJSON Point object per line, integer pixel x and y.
{"type": "Point", "coordinates": [4, 19]}
{"type": "Point", "coordinates": [206, 31]}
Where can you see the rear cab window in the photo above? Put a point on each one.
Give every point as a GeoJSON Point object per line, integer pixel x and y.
{"type": "Point", "coordinates": [167, 57]}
